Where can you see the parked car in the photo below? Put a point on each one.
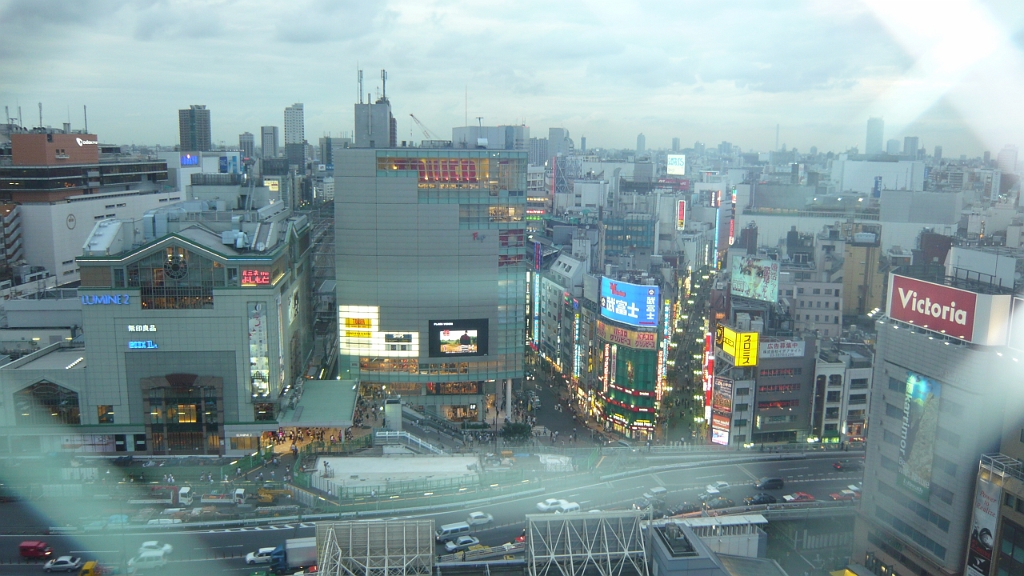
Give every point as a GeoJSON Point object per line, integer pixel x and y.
{"type": "Point", "coordinates": [719, 503]}
{"type": "Point", "coordinates": [847, 465]}
{"type": "Point", "coordinates": [683, 508]}
{"type": "Point", "coordinates": [550, 505]}
{"type": "Point", "coordinates": [461, 543]}
{"type": "Point", "coordinates": [843, 495]}
{"type": "Point", "coordinates": [760, 498]}
{"type": "Point", "coordinates": [656, 493]}
{"type": "Point", "coordinates": [641, 504]}
{"type": "Point", "coordinates": [476, 518]}
{"type": "Point", "coordinates": [717, 487]}
{"type": "Point", "coordinates": [154, 546]}
{"type": "Point", "coordinates": [798, 497]}
{"type": "Point", "coordinates": [261, 556]}
{"type": "Point", "coordinates": [63, 564]}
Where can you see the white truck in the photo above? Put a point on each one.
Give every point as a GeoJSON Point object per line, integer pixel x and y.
{"type": "Point", "coordinates": [165, 496]}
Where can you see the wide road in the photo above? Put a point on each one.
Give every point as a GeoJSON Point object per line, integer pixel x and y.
{"type": "Point", "coordinates": [203, 549]}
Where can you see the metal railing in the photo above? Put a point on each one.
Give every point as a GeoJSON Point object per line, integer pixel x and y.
{"type": "Point", "coordinates": [403, 437]}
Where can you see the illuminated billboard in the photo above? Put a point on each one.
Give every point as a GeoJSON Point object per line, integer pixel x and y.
{"type": "Point", "coordinates": [917, 435]}
{"type": "Point", "coordinates": [680, 214]}
{"type": "Point", "coordinates": [629, 338]}
{"type": "Point", "coordinates": [721, 398]}
{"type": "Point", "coordinates": [676, 165]}
{"type": "Point", "coordinates": [781, 349]}
{"type": "Point", "coordinates": [756, 278]}
{"type": "Point", "coordinates": [629, 303]}
{"type": "Point", "coordinates": [742, 346]}
{"type": "Point", "coordinates": [719, 436]}
{"type": "Point", "coordinates": [457, 337]}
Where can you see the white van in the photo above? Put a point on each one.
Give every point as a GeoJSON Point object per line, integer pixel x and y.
{"type": "Point", "coordinates": [451, 531]}
{"type": "Point", "coordinates": [147, 561]}
{"type": "Point", "coordinates": [656, 493]}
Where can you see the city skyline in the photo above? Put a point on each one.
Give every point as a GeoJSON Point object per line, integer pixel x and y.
{"type": "Point", "coordinates": [605, 72]}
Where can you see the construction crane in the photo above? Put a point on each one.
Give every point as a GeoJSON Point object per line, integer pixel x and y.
{"type": "Point", "coordinates": [426, 131]}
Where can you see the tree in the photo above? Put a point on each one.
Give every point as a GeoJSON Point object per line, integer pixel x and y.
{"type": "Point", "coordinates": [516, 433]}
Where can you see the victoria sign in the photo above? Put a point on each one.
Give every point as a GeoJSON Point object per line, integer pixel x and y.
{"type": "Point", "coordinates": [936, 307]}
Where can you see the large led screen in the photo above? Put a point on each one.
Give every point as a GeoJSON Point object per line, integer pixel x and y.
{"type": "Point", "coordinates": [457, 338]}
{"type": "Point", "coordinates": [917, 434]}
{"type": "Point", "coordinates": [756, 278]}
{"type": "Point", "coordinates": [634, 304]}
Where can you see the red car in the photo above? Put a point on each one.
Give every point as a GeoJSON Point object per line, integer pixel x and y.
{"type": "Point", "coordinates": [798, 497]}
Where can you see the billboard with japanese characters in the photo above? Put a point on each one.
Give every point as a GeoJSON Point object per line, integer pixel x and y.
{"type": "Point", "coordinates": [756, 278]}
{"type": "Point", "coordinates": [633, 304]}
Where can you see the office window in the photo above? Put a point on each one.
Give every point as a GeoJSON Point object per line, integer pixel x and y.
{"type": "Point", "coordinates": [890, 438]}
{"type": "Point", "coordinates": [816, 317]}
{"type": "Point", "coordinates": [858, 383]}
{"type": "Point", "coordinates": [947, 437]}
{"type": "Point", "coordinates": [890, 464]}
{"type": "Point", "coordinates": [834, 396]}
{"type": "Point", "coordinates": [801, 303]}
{"type": "Point", "coordinates": [897, 386]}
{"type": "Point", "coordinates": [893, 412]}
{"type": "Point", "coordinates": [831, 427]}
{"type": "Point", "coordinates": [742, 391]}
{"type": "Point", "coordinates": [740, 423]}
{"type": "Point", "coordinates": [858, 399]}
{"type": "Point", "coordinates": [105, 414]}
{"type": "Point", "coordinates": [828, 291]}
{"type": "Point", "coordinates": [927, 543]}
{"type": "Point", "coordinates": [832, 413]}
{"type": "Point", "coordinates": [777, 404]}
{"type": "Point", "coordinates": [817, 291]}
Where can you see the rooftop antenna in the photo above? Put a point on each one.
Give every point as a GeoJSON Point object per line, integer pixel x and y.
{"type": "Point", "coordinates": [20, 122]}
{"type": "Point", "coordinates": [360, 77]}
{"type": "Point", "coordinates": [466, 122]}
{"type": "Point", "coordinates": [384, 84]}
{"type": "Point", "coordinates": [85, 114]}
{"type": "Point", "coordinates": [40, 114]}
{"type": "Point", "coordinates": [7, 113]}
{"type": "Point", "coordinates": [480, 121]}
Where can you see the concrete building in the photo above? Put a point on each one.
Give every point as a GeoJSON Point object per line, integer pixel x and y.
{"type": "Point", "coordinates": [675, 144]}
{"type": "Point", "coordinates": [1007, 159]}
{"type": "Point", "coordinates": [294, 124]}
{"type": "Point", "coordinates": [876, 128]}
{"type": "Point", "coordinates": [911, 144]}
{"type": "Point", "coordinates": [492, 137]}
{"type": "Point", "coordinates": [247, 145]}
{"type": "Point", "coordinates": [538, 151]}
{"type": "Point", "coordinates": [375, 125]}
{"type": "Point", "coordinates": [641, 143]}
{"type": "Point", "coordinates": [842, 392]}
{"type": "Point", "coordinates": [194, 129]}
{"type": "Point", "coordinates": [860, 175]}
{"type": "Point", "coordinates": [430, 274]}
{"type": "Point", "coordinates": [197, 322]}
{"type": "Point", "coordinates": [922, 462]}
{"type": "Point", "coordinates": [892, 147]}
{"type": "Point", "coordinates": [269, 141]}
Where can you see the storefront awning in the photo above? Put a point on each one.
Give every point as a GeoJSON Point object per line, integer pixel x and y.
{"type": "Point", "coordinates": [324, 404]}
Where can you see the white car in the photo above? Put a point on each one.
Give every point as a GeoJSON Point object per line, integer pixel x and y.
{"type": "Point", "coordinates": [718, 487]}
{"type": "Point", "coordinates": [565, 507]}
{"type": "Point", "coordinates": [154, 546]}
{"type": "Point", "coordinates": [476, 518]}
{"type": "Point", "coordinates": [261, 556]}
{"type": "Point", "coordinates": [461, 543]}
{"type": "Point", "coordinates": [550, 505]}
{"type": "Point", "coordinates": [63, 564]}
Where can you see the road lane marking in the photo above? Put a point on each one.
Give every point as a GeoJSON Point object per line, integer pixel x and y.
{"type": "Point", "coordinates": [803, 468]}
{"type": "Point", "coordinates": [747, 472]}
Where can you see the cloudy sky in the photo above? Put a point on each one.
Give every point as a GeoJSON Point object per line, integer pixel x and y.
{"type": "Point", "coordinates": [948, 71]}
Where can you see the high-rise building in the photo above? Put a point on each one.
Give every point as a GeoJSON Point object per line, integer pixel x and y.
{"type": "Point", "coordinates": [910, 146]}
{"type": "Point", "coordinates": [538, 151]}
{"type": "Point", "coordinates": [1007, 159]}
{"type": "Point", "coordinates": [641, 143]}
{"type": "Point", "coordinates": [194, 129]}
{"type": "Point", "coordinates": [675, 144]}
{"type": "Point", "coordinates": [937, 335]}
{"type": "Point", "coordinates": [938, 154]}
{"type": "Point", "coordinates": [559, 143]}
{"type": "Point", "coordinates": [892, 147]}
{"type": "Point", "coordinates": [876, 127]}
{"type": "Point", "coordinates": [583, 143]}
{"type": "Point", "coordinates": [294, 124]}
{"type": "Point", "coordinates": [269, 140]}
{"type": "Point", "coordinates": [375, 125]}
{"type": "Point", "coordinates": [247, 144]}
{"type": "Point", "coordinates": [440, 313]}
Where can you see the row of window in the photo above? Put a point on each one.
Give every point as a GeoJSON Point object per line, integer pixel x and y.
{"type": "Point", "coordinates": [936, 490]}
{"type": "Point", "coordinates": [811, 304]}
{"type": "Point", "coordinates": [774, 404]}
{"type": "Point", "coordinates": [907, 530]}
{"type": "Point", "coordinates": [914, 506]}
{"type": "Point", "coordinates": [817, 291]}
{"type": "Point", "coordinates": [817, 318]}
{"type": "Point", "coordinates": [1011, 549]}
{"type": "Point", "coordinates": [779, 372]}
{"type": "Point", "coordinates": [779, 388]}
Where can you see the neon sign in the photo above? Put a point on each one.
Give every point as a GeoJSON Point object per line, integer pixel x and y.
{"type": "Point", "coordinates": [91, 299]}
{"type": "Point", "coordinates": [142, 345]}
{"type": "Point", "coordinates": [255, 277]}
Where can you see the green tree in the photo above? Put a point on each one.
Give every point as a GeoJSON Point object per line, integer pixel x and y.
{"type": "Point", "coordinates": [516, 433]}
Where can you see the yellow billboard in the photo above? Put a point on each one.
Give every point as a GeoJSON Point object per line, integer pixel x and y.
{"type": "Point", "coordinates": [742, 346]}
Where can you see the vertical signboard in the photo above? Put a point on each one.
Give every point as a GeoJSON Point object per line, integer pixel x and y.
{"type": "Point", "coordinates": [680, 214]}
{"type": "Point", "coordinates": [259, 350]}
{"type": "Point", "coordinates": [983, 528]}
{"type": "Point", "coordinates": [917, 434]}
